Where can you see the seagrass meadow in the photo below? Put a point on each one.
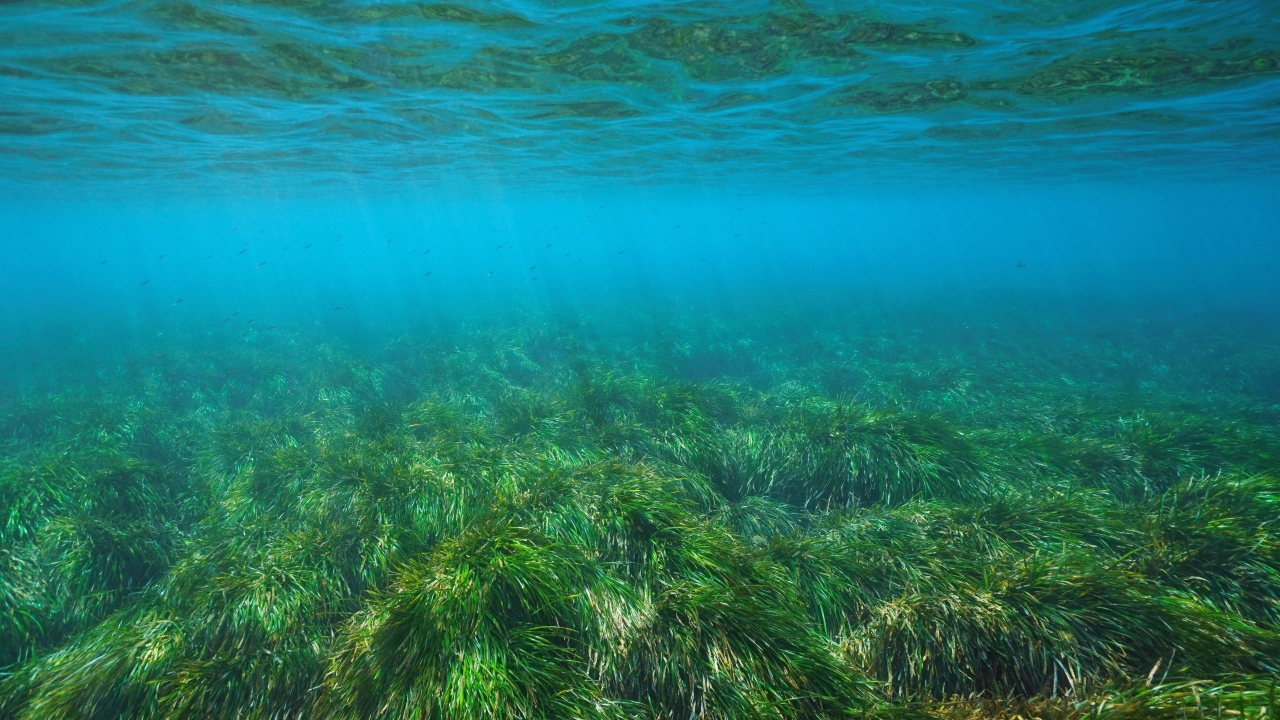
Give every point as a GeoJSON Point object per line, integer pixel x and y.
{"type": "Point", "coordinates": [848, 510]}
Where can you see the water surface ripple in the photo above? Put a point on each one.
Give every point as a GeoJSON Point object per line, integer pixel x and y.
{"type": "Point", "coordinates": [425, 92]}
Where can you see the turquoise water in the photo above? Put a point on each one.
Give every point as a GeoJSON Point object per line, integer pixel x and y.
{"type": "Point", "coordinates": [664, 360]}
{"type": "Point", "coordinates": [238, 95]}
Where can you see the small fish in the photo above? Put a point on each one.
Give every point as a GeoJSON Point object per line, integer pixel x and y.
{"type": "Point", "coordinates": [243, 251]}
{"type": "Point", "coordinates": [209, 257]}
{"type": "Point", "coordinates": [555, 227]}
{"type": "Point", "coordinates": [337, 308]}
{"type": "Point", "coordinates": [160, 258]}
{"type": "Point", "coordinates": [244, 335]}
{"type": "Point", "coordinates": [427, 251]}
{"type": "Point", "coordinates": [104, 262]}
{"type": "Point", "coordinates": [498, 248]}
{"type": "Point", "coordinates": [602, 206]}
{"type": "Point", "coordinates": [622, 252]}
{"type": "Point", "coordinates": [510, 246]}
{"type": "Point", "coordinates": [251, 321]}
{"type": "Point", "coordinates": [565, 255]}
{"type": "Point", "coordinates": [533, 267]}
{"type": "Point", "coordinates": [304, 247]}
{"type": "Point", "coordinates": [544, 247]}
{"type": "Point", "coordinates": [337, 237]}
{"type": "Point", "coordinates": [533, 279]}
{"type": "Point", "coordinates": [738, 235]}
{"type": "Point", "coordinates": [178, 301]}
{"type": "Point", "coordinates": [677, 227]}
{"type": "Point", "coordinates": [144, 282]}
{"type": "Point", "coordinates": [162, 356]}
{"type": "Point", "coordinates": [226, 319]}
{"type": "Point", "coordinates": [235, 228]}
{"type": "Point", "coordinates": [262, 263]}
{"type": "Point", "coordinates": [1021, 265]}
{"type": "Point", "coordinates": [261, 231]}
{"type": "Point", "coordinates": [490, 273]}
{"type": "Point", "coordinates": [236, 313]}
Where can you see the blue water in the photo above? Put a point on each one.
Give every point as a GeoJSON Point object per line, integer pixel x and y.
{"type": "Point", "coordinates": [568, 154]}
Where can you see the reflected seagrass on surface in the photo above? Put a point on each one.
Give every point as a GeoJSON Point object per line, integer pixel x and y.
{"type": "Point", "coordinates": [431, 91]}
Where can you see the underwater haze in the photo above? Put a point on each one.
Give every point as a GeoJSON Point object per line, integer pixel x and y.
{"type": "Point", "coordinates": [661, 361]}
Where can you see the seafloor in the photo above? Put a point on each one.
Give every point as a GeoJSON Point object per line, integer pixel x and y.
{"type": "Point", "coordinates": [733, 513]}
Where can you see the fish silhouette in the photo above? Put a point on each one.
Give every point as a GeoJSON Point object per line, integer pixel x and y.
{"type": "Point", "coordinates": [243, 251]}
{"type": "Point", "coordinates": [262, 263]}
{"type": "Point", "coordinates": [178, 301]}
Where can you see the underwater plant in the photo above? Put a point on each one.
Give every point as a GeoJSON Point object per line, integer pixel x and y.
{"type": "Point", "coordinates": [534, 521]}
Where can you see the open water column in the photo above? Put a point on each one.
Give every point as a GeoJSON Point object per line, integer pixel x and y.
{"type": "Point", "coordinates": [617, 360]}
